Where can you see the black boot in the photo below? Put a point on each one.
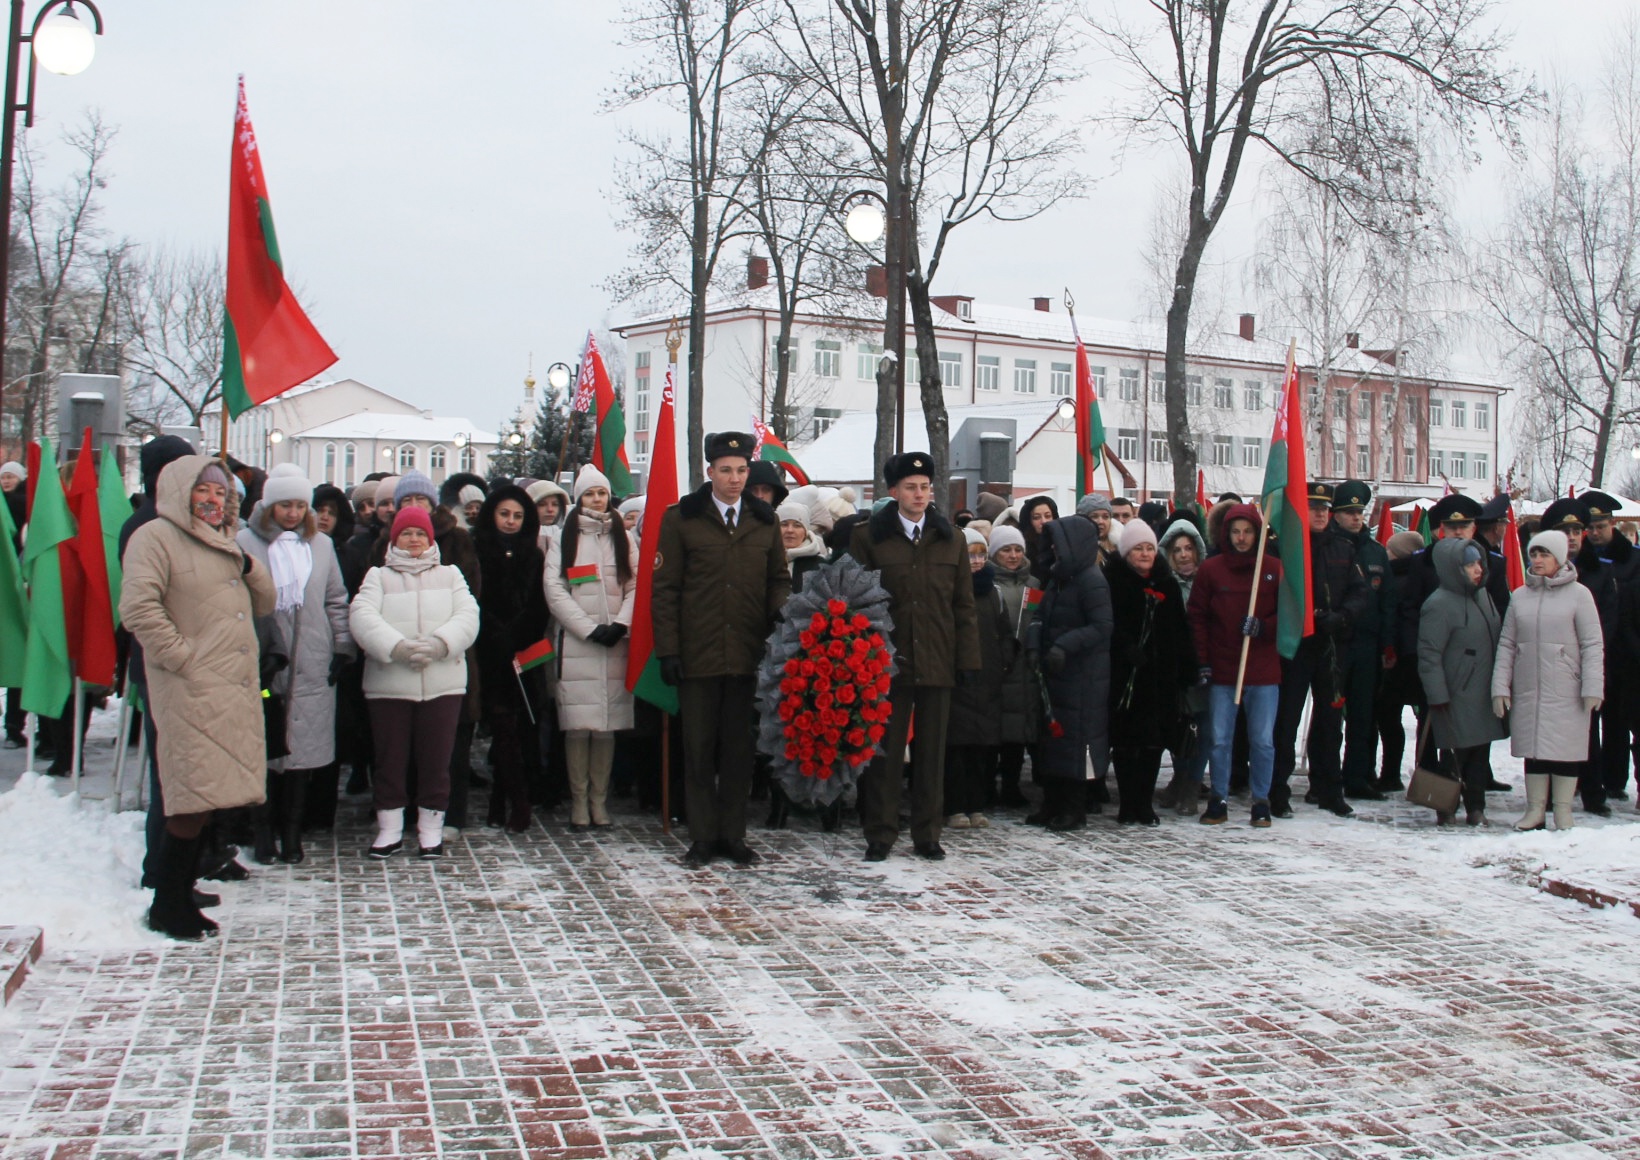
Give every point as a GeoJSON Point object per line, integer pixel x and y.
{"type": "Point", "coordinates": [173, 912]}
{"type": "Point", "coordinates": [293, 786]}
{"type": "Point", "coordinates": [779, 807]}
{"type": "Point", "coordinates": [263, 820]}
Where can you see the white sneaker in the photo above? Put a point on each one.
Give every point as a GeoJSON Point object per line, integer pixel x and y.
{"type": "Point", "coordinates": [979, 821]}
{"type": "Point", "coordinates": [958, 822]}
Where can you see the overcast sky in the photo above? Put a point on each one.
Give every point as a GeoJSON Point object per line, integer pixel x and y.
{"type": "Point", "coordinates": [441, 173]}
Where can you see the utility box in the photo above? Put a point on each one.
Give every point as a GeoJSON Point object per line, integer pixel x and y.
{"type": "Point", "coordinates": [983, 452]}
{"type": "Point", "coordinates": [95, 401]}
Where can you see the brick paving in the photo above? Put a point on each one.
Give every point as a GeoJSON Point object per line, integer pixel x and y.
{"type": "Point", "coordinates": [1326, 989]}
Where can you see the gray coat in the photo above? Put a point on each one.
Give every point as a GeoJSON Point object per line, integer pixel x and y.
{"type": "Point", "coordinates": [1457, 644]}
{"type": "Point", "coordinates": [308, 635]}
{"type": "Point", "coordinates": [1550, 657]}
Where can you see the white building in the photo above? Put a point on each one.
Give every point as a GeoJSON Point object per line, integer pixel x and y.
{"type": "Point", "coordinates": [1017, 363]}
{"type": "Point", "coordinates": [339, 432]}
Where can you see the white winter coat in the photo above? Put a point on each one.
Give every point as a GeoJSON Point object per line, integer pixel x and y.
{"type": "Point", "coordinates": [401, 601]}
{"type": "Point", "coordinates": [591, 688]}
{"type": "Point", "coordinates": [1550, 657]}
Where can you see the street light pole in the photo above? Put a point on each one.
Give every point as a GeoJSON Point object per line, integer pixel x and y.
{"type": "Point", "coordinates": [64, 47]}
{"type": "Point", "coordinates": [865, 224]}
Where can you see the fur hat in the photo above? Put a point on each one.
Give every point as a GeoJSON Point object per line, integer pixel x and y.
{"type": "Point", "coordinates": [1134, 534]}
{"type": "Point", "coordinates": [909, 463]}
{"type": "Point", "coordinates": [286, 482]}
{"type": "Point", "coordinates": [412, 483]}
{"type": "Point", "coordinates": [1553, 542]}
{"type": "Point", "coordinates": [721, 444]}
{"type": "Point", "coordinates": [1003, 537]}
{"type": "Point", "coordinates": [411, 517]}
{"type": "Point", "coordinates": [1404, 544]}
{"type": "Point", "coordinates": [589, 476]}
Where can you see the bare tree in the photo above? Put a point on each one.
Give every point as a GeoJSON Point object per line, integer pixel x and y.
{"type": "Point", "coordinates": [680, 197]}
{"type": "Point", "coordinates": [172, 305]}
{"type": "Point", "coordinates": [950, 101]}
{"type": "Point", "coordinates": [1214, 77]}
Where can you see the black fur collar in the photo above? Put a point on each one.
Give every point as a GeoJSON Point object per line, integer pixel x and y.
{"type": "Point", "coordinates": [886, 523]}
{"type": "Point", "coordinates": [698, 503]}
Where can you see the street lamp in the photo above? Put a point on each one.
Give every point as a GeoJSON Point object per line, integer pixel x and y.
{"type": "Point", "coordinates": [61, 44]}
{"type": "Point", "coordinates": [1067, 410]}
{"type": "Point", "coordinates": [559, 375]}
{"type": "Point", "coordinates": [876, 216]}
{"type": "Point", "coordinates": [275, 437]}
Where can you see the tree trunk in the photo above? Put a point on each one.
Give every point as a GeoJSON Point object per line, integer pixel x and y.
{"type": "Point", "coordinates": [1180, 445]}
{"type": "Point", "coordinates": [1603, 436]}
{"type": "Point", "coordinates": [782, 376]}
{"type": "Point", "coordinates": [935, 419]}
{"type": "Point", "coordinates": [699, 283]}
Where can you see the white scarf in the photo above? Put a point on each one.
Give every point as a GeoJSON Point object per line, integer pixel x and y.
{"type": "Point", "coordinates": [290, 559]}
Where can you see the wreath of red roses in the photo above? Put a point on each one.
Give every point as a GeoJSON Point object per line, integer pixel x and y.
{"type": "Point", "coordinates": [834, 693]}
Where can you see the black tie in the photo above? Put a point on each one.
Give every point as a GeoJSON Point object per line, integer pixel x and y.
{"type": "Point", "coordinates": [729, 518]}
{"type": "Point", "coordinates": [916, 534]}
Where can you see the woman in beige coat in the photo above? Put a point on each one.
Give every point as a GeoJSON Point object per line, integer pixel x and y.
{"type": "Point", "coordinates": [190, 596]}
{"type": "Point", "coordinates": [590, 586]}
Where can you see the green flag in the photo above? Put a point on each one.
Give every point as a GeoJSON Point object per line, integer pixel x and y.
{"type": "Point", "coordinates": [1424, 529]}
{"type": "Point", "coordinates": [48, 677]}
{"type": "Point", "coordinates": [1287, 508]}
{"type": "Point", "coordinates": [115, 509]}
{"type": "Point", "coordinates": [13, 605]}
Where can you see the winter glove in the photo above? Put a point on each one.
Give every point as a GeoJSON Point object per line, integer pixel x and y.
{"type": "Point", "coordinates": [338, 662]}
{"type": "Point", "coordinates": [600, 635]}
{"type": "Point", "coordinates": [671, 670]}
{"type": "Point", "coordinates": [617, 632]}
{"type": "Point", "coordinates": [1592, 704]}
{"type": "Point", "coordinates": [272, 664]}
{"type": "Point", "coordinates": [1204, 675]}
{"type": "Point", "coordinates": [1053, 663]}
{"type": "Point", "coordinates": [969, 679]}
{"type": "Point", "coordinates": [1251, 626]}
{"type": "Point", "coordinates": [1500, 706]}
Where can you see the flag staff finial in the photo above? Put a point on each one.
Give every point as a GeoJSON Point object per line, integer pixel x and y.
{"type": "Point", "coordinates": [1070, 303]}
{"type": "Point", "coordinates": [674, 340]}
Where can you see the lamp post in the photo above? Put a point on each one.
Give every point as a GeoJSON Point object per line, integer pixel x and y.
{"type": "Point", "coordinates": [865, 223]}
{"type": "Point", "coordinates": [61, 44]}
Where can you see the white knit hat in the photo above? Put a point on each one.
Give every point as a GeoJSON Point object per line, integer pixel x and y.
{"type": "Point", "coordinates": [12, 467]}
{"type": "Point", "coordinates": [1553, 542]}
{"type": "Point", "coordinates": [1134, 533]}
{"type": "Point", "coordinates": [973, 537]}
{"type": "Point", "coordinates": [286, 482]}
{"type": "Point", "coordinates": [589, 476]}
{"type": "Point", "coordinates": [470, 494]}
{"type": "Point", "coordinates": [791, 510]}
{"type": "Point", "coordinates": [1004, 537]}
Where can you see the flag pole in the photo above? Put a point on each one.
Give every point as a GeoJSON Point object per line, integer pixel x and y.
{"type": "Point", "coordinates": [1252, 601]}
{"type": "Point", "coordinates": [1070, 311]}
{"type": "Point", "coordinates": [30, 722]}
{"type": "Point", "coordinates": [79, 747]}
{"type": "Point", "coordinates": [674, 340]}
{"type": "Point", "coordinates": [518, 675]}
{"type": "Point", "coordinates": [224, 428]}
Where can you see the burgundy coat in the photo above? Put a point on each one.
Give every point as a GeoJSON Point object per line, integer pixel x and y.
{"type": "Point", "coordinates": [1218, 604]}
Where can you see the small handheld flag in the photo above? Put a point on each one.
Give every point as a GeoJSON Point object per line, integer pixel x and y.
{"type": "Point", "coordinates": [581, 574]}
{"type": "Point", "coordinates": [534, 657]}
{"type": "Point", "coordinates": [1033, 599]}
{"type": "Point", "coordinates": [770, 447]}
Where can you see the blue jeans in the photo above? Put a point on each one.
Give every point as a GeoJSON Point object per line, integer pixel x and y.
{"type": "Point", "coordinates": [1260, 702]}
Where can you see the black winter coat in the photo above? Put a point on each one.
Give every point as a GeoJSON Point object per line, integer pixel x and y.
{"type": "Point", "coordinates": [974, 717]}
{"type": "Point", "coordinates": [1020, 702]}
{"type": "Point", "coordinates": [1342, 599]}
{"type": "Point", "coordinates": [1152, 658]}
{"type": "Point", "coordinates": [1075, 618]}
{"type": "Point", "coordinates": [512, 604]}
{"type": "Point", "coordinates": [1401, 685]}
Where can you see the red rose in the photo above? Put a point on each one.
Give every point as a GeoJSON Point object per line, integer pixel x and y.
{"type": "Point", "coordinates": [837, 649]}
{"type": "Point", "coordinates": [856, 737]}
{"type": "Point", "coordinates": [825, 774]}
{"type": "Point", "coordinates": [839, 628]}
{"type": "Point", "coordinates": [1055, 729]}
{"type": "Point", "coordinates": [818, 622]}
{"type": "Point", "coordinates": [836, 607]}
{"type": "Point", "coordinates": [807, 668]}
{"type": "Point", "coordinates": [791, 667]}
{"type": "Point", "coordinates": [807, 638]}
{"type": "Point", "coordinates": [875, 733]}
{"type": "Point", "coordinates": [860, 647]}
{"type": "Point", "coordinates": [845, 695]}
{"type": "Point", "coordinates": [822, 701]}
{"type": "Point", "coordinates": [861, 622]}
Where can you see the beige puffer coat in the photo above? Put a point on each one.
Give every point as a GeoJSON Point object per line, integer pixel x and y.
{"type": "Point", "coordinates": [188, 600]}
{"type": "Point", "coordinates": [1550, 656]}
{"type": "Point", "coordinates": [591, 685]}
{"type": "Point", "coordinates": [407, 598]}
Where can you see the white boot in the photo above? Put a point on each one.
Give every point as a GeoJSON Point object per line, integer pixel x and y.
{"type": "Point", "coordinates": [1537, 801]}
{"type": "Point", "coordinates": [430, 832]}
{"type": "Point", "coordinates": [1565, 789]}
{"type": "Point", "coordinates": [389, 833]}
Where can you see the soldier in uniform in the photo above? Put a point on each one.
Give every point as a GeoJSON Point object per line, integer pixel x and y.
{"type": "Point", "coordinates": [924, 566]}
{"type": "Point", "coordinates": [1618, 727]}
{"type": "Point", "coordinates": [720, 582]}
{"type": "Point", "coordinates": [1342, 600]}
{"type": "Point", "coordinates": [1572, 517]}
{"type": "Point", "coordinates": [1372, 642]}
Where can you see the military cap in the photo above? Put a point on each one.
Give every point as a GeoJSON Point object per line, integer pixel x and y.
{"type": "Point", "coordinates": [1321, 493]}
{"type": "Point", "coordinates": [1601, 505]}
{"type": "Point", "coordinates": [1495, 509]}
{"type": "Point", "coordinates": [722, 444]}
{"type": "Point", "coordinates": [1455, 509]}
{"type": "Point", "coordinates": [908, 463]}
{"type": "Point", "coordinates": [1352, 495]}
{"type": "Point", "coordinates": [766, 474]}
{"type": "Point", "coordinates": [1565, 513]}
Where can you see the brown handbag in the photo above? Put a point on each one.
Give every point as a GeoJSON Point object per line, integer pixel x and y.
{"type": "Point", "coordinates": [1439, 791]}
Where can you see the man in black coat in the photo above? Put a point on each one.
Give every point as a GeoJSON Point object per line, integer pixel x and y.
{"type": "Point", "coordinates": [1372, 643]}
{"type": "Point", "coordinates": [1342, 600]}
{"type": "Point", "coordinates": [1571, 516]}
{"type": "Point", "coordinates": [1618, 727]}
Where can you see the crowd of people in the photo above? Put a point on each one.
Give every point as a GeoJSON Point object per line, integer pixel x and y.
{"type": "Point", "coordinates": [279, 632]}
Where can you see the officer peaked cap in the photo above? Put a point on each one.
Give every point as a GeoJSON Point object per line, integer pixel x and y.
{"type": "Point", "coordinates": [1352, 495]}
{"type": "Point", "coordinates": [1601, 506]}
{"type": "Point", "coordinates": [1496, 508]}
{"type": "Point", "coordinates": [1321, 493]}
{"type": "Point", "coordinates": [1565, 513]}
{"type": "Point", "coordinates": [1455, 509]}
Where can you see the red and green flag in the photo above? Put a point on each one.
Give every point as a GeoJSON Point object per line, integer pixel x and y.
{"type": "Point", "coordinates": [1514, 567]}
{"type": "Point", "coordinates": [1424, 528]}
{"type": "Point", "coordinates": [48, 675]}
{"type": "Point", "coordinates": [13, 605]}
{"type": "Point", "coordinates": [1201, 491]}
{"type": "Point", "coordinates": [1033, 600]}
{"type": "Point", "coordinates": [770, 447]}
{"type": "Point", "coordinates": [1287, 512]}
{"type": "Point", "coordinates": [581, 574]}
{"type": "Point", "coordinates": [595, 393]}
{"type": "Point", "coordinates": [534, 657]}
{"type": "Point", "coordinates": [1090, 424]}
{"type": "Point", "coordinates": [90, 621]}
{"type": "Point", "coordinates": [268, 344]}
{"type": "Point", "coordinates": [643, 669]}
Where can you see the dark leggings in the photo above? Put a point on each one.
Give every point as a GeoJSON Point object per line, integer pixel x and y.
{"type": "Point", "coordinates": [1136, 768]}
{"type": "Point", "coordinates": [968, 778]}
{"type": "Point", "coordinates": [424, 730]}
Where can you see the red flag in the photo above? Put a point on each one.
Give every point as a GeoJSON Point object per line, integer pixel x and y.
{"type": "Point", "coordinates": [31, 463]}
{"type": "Point", "coordinates": [1514, 567]}
{"type": "Point", "coordinates": [770, 447]}
{"type": "Point", "coordinates": [88, 606]}
{"type": "Point", "coordinates": [268, 344]}
{"type": "Point", "coordinates": [643, 670]}
{"type": "Point", "coordinates": [595, 392]}
{"type": "Point", "coordinates": [1201, 490]}
{"type": "Point", "coordinates": [1287, 507]}
{"type": "Point", "coordinates": [1090, 423]}
{"type": "Point", "coordinates": [1386, 525]}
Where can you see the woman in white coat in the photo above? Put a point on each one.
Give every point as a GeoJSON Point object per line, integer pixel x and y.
{"type": "Point", "coordinates": [1549, 677]}
{"type": "Point", "coordinates": [590, 586]}
{"type": "Point", "coordinates": [415, 618]}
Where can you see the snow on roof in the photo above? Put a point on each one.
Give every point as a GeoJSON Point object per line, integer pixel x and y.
{"type": "Point", "coordinates": [843, 453]}
{"type": "Point", "coordinates": [399, 428]}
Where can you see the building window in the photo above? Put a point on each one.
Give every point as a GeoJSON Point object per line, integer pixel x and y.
{"type": "Point", "coordinates": [1127, 387]}
{"type": "Point", "coordinates": [330, 463]}
{"type": "Point", "coordinates": [1437, 413]}
{"type": "Point", "coordinates": [1127, 445]}
{"type": "Point", "coordinates": [951, 368]}
{"type": "Point", "coordinates": [1224, 394]}
{"type": "Point", "coordinates": [774, 354]}
{"type": "Point", "coordinates": [824, 417]}
{"type": "Point", "coordinates": [1158, 389]}
{"type": "Point", "coordinates": [828, 358]}
{"type": "Point", "coordinates": [1483, 416]}
{"type": "Point", "coordinates": [1252, 396]}
{"type": "Point", "coordinates": [1341, 405]}
{"type": "Point", "coordinates": [1193, 395]}
{"type": "Point", "coordinates": [1224, 451]}
{"type": "Point", "coordinates": [435, 459]}
{"type": "Point", "coordinates": [469, 461]}
{"type": "Point", "coordinates": [1411, 463]}
{"type": "Point", "coordinates": [1159, 450]}
{"type": "Point", "coordinates": [350, 460]}
{"type": "Point", "coordinates": [990, 373]}
{"type": "Point", "coordinates": [1252, 453]}
{"type": "Point", "coordinates": [866, 360]}
{"type": "Point", "coordinates": [1061, 377]}
{"type": "Point", "coordinates": [1458, 465]}
{"type": "Point", "coordinates": [1338, 457]}
{"type": "Point", "coordinates": [640, 403]}
{"type": "Point", "coordinates": [1482, 463]}
{"type": "Point", "coordinates": [1363, 407]}
{"type": "Point", "coordinates": [1024, 376]}
{"type": "Point", "coordinates": [1460, 414]}
{"type": "Point", "coordinates": [1363, 459]}
{"type": "Point", "coordinates": [1437, 464]}
{"type": "Point", "coordinates": [407, 457]}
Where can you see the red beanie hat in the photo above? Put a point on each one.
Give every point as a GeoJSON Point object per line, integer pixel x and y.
{"type": "Point", "coordinates": [411, 517]}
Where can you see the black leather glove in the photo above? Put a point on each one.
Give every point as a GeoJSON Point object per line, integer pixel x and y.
{"type": "Point", "coordinates": [969, 679]}
{"type": "Point", "coordinates": [600, 635]}
{"type": "Point", "coordinates": [671, 670]}
{"type": "Point", "coordinates": [616, 632]}
{"type": "Point", "coordinates": [1251, 626]}
{"type": "Point", "coordinates": [338, 663]}
{"type": "Point", "coordinates": [272, 664]}
{"type": "Point", "coordinates": [1053, 662]}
